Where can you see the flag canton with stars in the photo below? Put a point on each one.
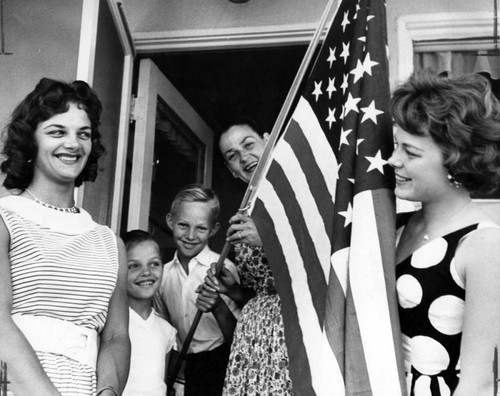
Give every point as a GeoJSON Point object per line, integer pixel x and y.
{"type": "Point", "coordinates": [349, 93]}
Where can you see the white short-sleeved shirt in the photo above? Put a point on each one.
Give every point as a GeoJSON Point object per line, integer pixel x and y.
{"type": "Point", "coordinates": [151, 340]}
{"type": "Point", "coordinates": [178, 294]}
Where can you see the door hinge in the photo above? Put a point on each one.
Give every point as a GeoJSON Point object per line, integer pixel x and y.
{"type": "Point", "coordinates": [133, 115]}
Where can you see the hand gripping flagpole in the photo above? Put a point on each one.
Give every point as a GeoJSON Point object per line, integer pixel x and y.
{"type": "Point", "coordinates": [258, 174]}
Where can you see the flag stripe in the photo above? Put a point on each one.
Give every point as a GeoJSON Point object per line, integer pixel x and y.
{"type": "Point", "coordinates": [299, 145]}
{"type": "Point", "coordinates": [293, 333]}
{"type": "Point", "coordinates": [314, 274]}
{"type": "Point", "coordinates": [325, 373]}
{"type": "Point", "coordinates": [307, 200]}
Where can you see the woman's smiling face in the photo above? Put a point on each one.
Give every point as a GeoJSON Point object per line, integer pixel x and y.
{"type": "Point", "coordinates": [242, 148]}
{"type": "Point", "coordinates": [419, 169]}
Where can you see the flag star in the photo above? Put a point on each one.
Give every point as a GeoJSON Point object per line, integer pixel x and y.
{"type": "Point", "coordinates": [343, 137]}
{"type": "Point", "coordinates": [332, 57]}
{"type": "Point", "coordinates": [358, 71]}
{"type": "Point", "coordinates": [347, 214]}
{"type": "Point", "coordinates": [317, 89]}
{"type": "Point", "coordinates": [369, 18]}
{"type": "Point", "coordinates": [331, 87]}
{"type": "Point", "coordinates": [371, 112]}
{"type": "Point", "coordinates": [362, 39]}
{"type": "Point", "coordinates": [345, 51]}
{"type": "Point", "coordinates": [346, 21]}
{"type": "Point", "coordinates": [356, 13]}
{"type": "Point", "coordinates": [345, 83]}
{"type": "Point", "coordinates": [358, 142]}
{"type": "Point", "coordinates": [351, 104]}
{"type": "Point", "coordinates": [368, 64]}
{"type": "Point", "coordinates": [351, 180]}
{"type": "Point", "coordinates": [331, 117]}
{"type": "Point", "coordinates": [376, 162]}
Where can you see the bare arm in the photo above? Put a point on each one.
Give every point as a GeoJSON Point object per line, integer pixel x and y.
{"type": "Point", "coordinates": [478, 259]}
{"type": "Point", "coordinates": [114, 353]}
{"type": "Point", "coordinates": [25, 372]}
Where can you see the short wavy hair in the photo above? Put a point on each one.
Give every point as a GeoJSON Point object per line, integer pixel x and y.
{"type": "Point", "coordinates": [197, 193]}
{"type": "Point", "coordinates": [50, 97]}
{"type": "Point", "coordinates": [462, 115]}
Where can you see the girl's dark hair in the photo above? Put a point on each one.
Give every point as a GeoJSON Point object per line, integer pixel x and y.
{"type": "Point", "coordinates": [462, 116]}
{"type": "Point", "coordinates": [134, 237]}
{"type": "Point", "coordinates": [50, 97]}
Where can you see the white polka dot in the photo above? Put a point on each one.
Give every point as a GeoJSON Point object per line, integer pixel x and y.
{"type": "Point", "coordinates": [409, 291]}
{"type": "Point", "coordinates": [428, 356]}
{"type": "Point", "coordinates": [454, 274]}
{"type": "Point", "coordinates": [443, 388]}
{"type": "Point", "coordinates": [430, 254]}
{"type": "Point", "coordinates": [446, 314]}
{"type": "Point", "coordinates": [423, 386]}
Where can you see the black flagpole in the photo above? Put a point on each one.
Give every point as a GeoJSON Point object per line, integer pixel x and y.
{"type": "Point", "coordinates": [257, 175]}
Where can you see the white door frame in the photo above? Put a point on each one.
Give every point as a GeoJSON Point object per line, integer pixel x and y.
{"type": "Point", "coordinates": [154, 84]}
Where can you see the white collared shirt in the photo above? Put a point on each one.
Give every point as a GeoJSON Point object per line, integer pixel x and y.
{"type": "Point", "coordinates": [178, 294]}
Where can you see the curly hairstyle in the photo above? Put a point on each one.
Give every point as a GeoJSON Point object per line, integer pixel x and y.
{"type": "Point", "coordinates": [50, 97]}
{"type": "Point", "coordinates": [462, 116]}
{"type": "Point", "coordinates": [197, 193]}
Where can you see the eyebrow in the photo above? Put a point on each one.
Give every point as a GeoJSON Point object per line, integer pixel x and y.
{"type": "Point", "coordinates": [64, 127]}
{"type": "Point", "coordinates": [412, 146]}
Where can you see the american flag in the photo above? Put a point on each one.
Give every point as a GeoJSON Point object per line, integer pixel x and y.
{"type": "Point", "coordinates": [325, 211]}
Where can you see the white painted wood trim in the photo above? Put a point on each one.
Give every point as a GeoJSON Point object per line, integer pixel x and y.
{"type": "Point", "coordinates": [86, 58]}
{"type": "Point", "coordinates": [122, 27]}
{"type": "Point", "coordinates": [121, 146]}
{"type": "Point", "coordinates": [418, 27]}
{"type": "Point", "coordinates": [142, 158]}
{"type": "Point", "coordinates": [88, 36]}
{"type": "Point", "coordinates": [226, 38]}
{"type": "Point", "coordinates": [153, 84]}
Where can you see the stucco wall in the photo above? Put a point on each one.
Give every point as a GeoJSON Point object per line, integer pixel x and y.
{"type": "Point", "coordinates": [171, 15]}
{"type": "Point", "coordinates": [39, 48]}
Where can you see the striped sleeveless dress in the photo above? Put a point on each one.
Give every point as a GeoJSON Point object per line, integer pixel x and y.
{"type": "Point", "coordinates": [63, 266]}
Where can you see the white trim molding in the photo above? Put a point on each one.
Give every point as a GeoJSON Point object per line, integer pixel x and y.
{"type": "Point", "coordinates": [420, 27]}
{"type": "Point", "coordinates": [226, 38]}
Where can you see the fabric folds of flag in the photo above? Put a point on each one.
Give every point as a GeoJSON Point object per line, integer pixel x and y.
{"type": "Point", "coordinates": [325, 212]}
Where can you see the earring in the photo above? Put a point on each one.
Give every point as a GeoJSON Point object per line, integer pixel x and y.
{"type": "Point", "coordinates": [28, 161]}
{"type": "Point", "coordinates": [453, 181]}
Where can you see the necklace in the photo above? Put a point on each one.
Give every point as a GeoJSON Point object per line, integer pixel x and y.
{"type": "Point", "coordinates": [427, 235]}
{"type": "Point", "coordinates": [72, 209]}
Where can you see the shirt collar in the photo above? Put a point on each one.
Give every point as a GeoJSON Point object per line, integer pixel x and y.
{"type": "Point", "coordinates": [203, 258]}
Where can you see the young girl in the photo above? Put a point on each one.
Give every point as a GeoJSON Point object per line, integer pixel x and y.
{"type": "Point", "coordinates": [151, 336]}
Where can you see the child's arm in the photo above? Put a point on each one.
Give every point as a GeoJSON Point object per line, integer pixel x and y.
{"type": "Point", "coordinates": [211, 301]}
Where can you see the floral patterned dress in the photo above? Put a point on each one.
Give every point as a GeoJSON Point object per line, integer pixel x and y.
{"type": "Point", "coordinates": [258, 364]}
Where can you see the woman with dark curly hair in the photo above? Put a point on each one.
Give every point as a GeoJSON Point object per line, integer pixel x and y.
{"type": "Point", "coordinates": [448, 272]}
{"type": "Point", "coordinates": [63, 303]}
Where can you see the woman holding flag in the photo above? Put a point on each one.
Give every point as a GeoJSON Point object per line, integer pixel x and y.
{"type": "Point", "coordinates": [448, 272]}
{"type": "Point", "coordinates": [258, 364]}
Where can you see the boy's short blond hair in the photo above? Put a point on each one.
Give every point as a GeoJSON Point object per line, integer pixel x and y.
{"type": "Point", "coordinates": [197, 193]}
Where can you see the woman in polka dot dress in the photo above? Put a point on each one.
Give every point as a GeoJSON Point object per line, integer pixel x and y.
{"type": "Point", "coordinates": [448, 272]}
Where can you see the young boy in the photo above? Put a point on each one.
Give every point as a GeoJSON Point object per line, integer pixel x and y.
{"type": "Point", "coordinates": [151, 336]}
{"type": "Point", "coordinates": [193, 221]}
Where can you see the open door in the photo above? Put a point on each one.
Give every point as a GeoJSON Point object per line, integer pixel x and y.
{"type": "Point", "coordinates": [173, 147]}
